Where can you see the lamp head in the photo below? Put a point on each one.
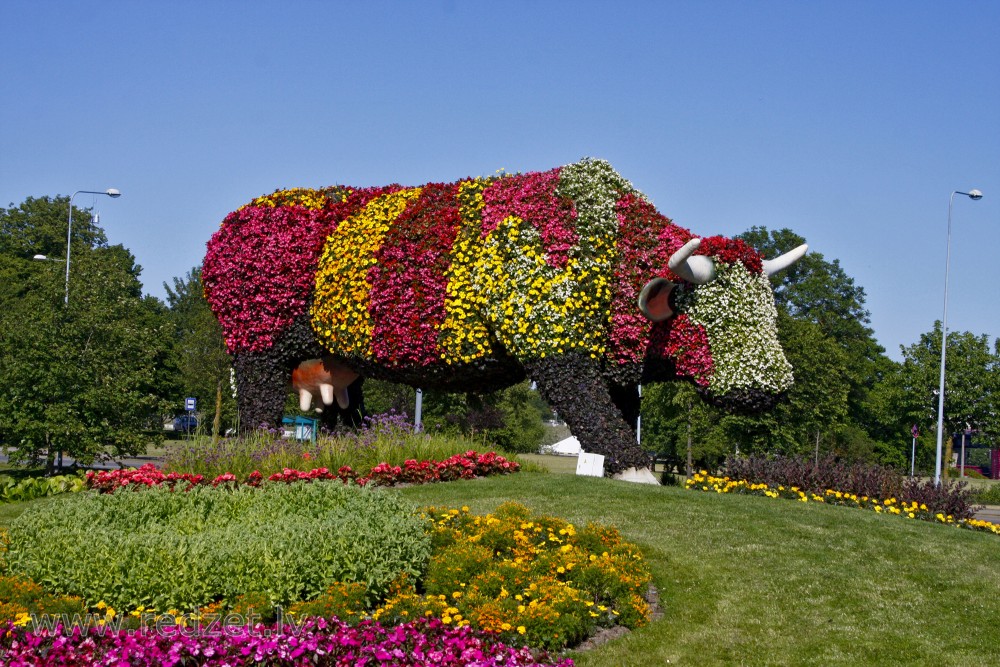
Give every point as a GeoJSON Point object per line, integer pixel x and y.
{"type": "Point", "coordinates": [39, 257]}
{"type": "Point", "coordinates": [113, 193]}
{"type": "Point", "coordinates": [975, 194]}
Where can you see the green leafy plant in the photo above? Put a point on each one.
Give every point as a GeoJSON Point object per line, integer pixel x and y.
{"type": "Point", "coordinates": [164, 549]}
{"type": "Point", "coordinates": [29, 488]}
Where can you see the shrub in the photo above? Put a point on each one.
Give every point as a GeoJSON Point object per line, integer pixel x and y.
{"type": "Point", "coordinates": [14, 491]}
{"type": "Point", "coordinates": [872, 481]}
{"type": "Point", "coordinates": [531, 578]}
{"type": "Point", "coordinates": [163, 549]}
{"type": "Point", "coordinates": [20, 596]}
{"type": "Point", "coordinates": [989, 495]}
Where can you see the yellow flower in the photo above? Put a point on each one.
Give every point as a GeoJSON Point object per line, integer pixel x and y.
{"type": "Point", "coordinates": [521, 630]}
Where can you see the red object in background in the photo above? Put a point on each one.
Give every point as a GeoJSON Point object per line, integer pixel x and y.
{"type": "Point", "coordinates": [995, 464]}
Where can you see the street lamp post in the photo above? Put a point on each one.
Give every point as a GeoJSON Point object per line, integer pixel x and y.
{"type": "Point", "coordinates": [111, 192]}
{"type": "Point", "coordinates": [973, 195]}
{"type": "Point", "coordinates": [114, 194]}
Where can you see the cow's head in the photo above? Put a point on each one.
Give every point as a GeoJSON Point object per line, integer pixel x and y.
{"type": "Point", "coordinates": [716, 323]}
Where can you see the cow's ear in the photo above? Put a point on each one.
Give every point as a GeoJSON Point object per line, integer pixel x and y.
{"type": "Point", "coordinates": [654, 299]}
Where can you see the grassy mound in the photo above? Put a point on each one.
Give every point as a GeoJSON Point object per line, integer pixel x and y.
{"type": "Point", "coordinates": [747, 580]}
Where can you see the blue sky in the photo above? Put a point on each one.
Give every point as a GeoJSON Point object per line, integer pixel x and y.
{"type": "Point", "coordinates": [847, 122]}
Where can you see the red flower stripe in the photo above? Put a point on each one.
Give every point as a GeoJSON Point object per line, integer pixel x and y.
{"type": "Point", "coordinates": [640, 255]}
{"type": "Point", "coordinates": [408, 284]}
{"type": "Point", "coordinates": [260, 266]}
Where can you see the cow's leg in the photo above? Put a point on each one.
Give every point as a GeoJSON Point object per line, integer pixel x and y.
{"type": "Point", "coordinates": [626, 399]}
{"type": "Point", "coordinates": [574, 387]}
{"type": "Point", "coordinates": [261, 388]}
{"type": "Point", "coordinates": [353, 415]}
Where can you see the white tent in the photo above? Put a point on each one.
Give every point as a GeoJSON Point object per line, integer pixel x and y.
{"type": "Point", "coordinates": [568, 447]}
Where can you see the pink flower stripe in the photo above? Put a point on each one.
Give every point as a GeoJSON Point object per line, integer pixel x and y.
{"type": "Point", "coordinates": [532, 198]}
{"type": "Point", "coordinates": [687, 344]}
{"type": "Point", "coordinates": [313, 642]}
{"type": "Point", "coordinates": [260, 266]}
{"type": "Point", "coordinates": [469, 465]}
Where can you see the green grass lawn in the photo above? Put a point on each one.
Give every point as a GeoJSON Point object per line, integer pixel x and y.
{"type": "Point", "coordinates": [756, 581]}
{"type": "Point", "coordinates": [750, 580]}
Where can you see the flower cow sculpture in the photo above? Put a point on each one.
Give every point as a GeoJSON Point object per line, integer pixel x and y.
{"type": "Point", "coordinates": [569, 277]}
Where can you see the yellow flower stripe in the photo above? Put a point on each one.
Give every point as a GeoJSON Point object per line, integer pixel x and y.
{"type": "Point", "coordinates": [464, 336]}
{"type": "Point", "coordinates": [340, 315]}
{"type": "Point", "coordinates": [305, 197]}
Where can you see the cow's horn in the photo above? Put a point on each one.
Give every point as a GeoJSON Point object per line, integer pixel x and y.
{"type": "Point", "coordinates": [782, 262]}
{"type": "Point", "coordinates": [696, 269]}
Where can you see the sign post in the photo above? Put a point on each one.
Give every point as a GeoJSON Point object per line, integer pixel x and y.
{"type": "Point", "coordinates": [189, 404]}
{"type": "Point", "coordinates": [913, 449]}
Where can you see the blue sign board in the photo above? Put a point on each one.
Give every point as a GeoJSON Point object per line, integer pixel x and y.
{"type": "Point", "coordinates": [189, 403]}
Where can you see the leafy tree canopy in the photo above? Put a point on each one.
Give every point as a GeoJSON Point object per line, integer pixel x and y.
{"type": "Point", "coordinates": [204, 365]}
{"type": "Point", "coordinates": [85, 377]}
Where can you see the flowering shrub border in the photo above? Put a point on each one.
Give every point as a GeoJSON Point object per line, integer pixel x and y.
{"type": "Point", "coordinates": [910, 509]}
{"type": "Point", "coordinates": [527, 576]}
{"type": "Point", "coordinates": [860, 479]}
{"type": "Point", "coordinates": [469, 465]}
{"type": "Point", "coordinates": [314, 642]}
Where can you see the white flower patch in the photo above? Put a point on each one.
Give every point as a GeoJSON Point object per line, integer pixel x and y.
{"type": "Point", "coordinates": [738, 314]}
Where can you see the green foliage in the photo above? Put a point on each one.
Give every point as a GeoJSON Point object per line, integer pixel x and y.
{"type": "Point", "coordinates": [389, 440]}
{"type": "Point", "coordinates": [184, 550]}
{"type": "Point", "coordinates": [84, 377]}
{"type": "Point", "coordinates": [38, 227]}
{"type": "Point", "coordinates": [203, 364]}
{"type": "Point", "coordinates": [987, 495]}
{"type": "Point", "coordinates": [972, 390]}
{"type": "Point", "coordinates": [14, 491]}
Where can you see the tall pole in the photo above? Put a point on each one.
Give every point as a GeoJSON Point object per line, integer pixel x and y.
{"type": "Point", "coordinates": [114, 194]}
{"type": "Point", "coordinates": [111, 192]}
{"type": "Point", "coordinates": [973, 195]}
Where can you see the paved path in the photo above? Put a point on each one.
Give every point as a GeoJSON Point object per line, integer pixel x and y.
{"type": "Point", "coordinates": [989, 513]}
{"type": "Point", "coordinates": [130, 462]}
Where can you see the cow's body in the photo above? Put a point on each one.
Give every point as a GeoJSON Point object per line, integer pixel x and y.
{"type": "Point", "coordinates": [475, 285]}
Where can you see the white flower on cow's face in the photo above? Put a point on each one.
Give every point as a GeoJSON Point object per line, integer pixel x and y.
{"type": "Point", "coordinates": [738, 314]}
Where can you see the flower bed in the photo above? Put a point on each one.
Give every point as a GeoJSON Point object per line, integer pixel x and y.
{"type": "Point", "coordinates": [469, 465]}
{"type": "Point", "coordinates": [314, 642]}
{"type": "Point", "coordinates": [858, 479]}
{"type": "Point", "coordinates": [911, 509]}
{"type": "Point", "coordinates": [526, 579]}
{"type": "Point", "coordinates": [525, 576]}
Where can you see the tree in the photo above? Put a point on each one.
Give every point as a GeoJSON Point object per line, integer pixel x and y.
{"type": "Point", "coordinates": [84, 377]}
{"type": "Point", "coordinates": [38, 227]}
{"type": "Point", "coordinates": [819, 291]}
{"type": "Point", "coordinates": [971, 397]}
{"type": "Point", "coordinates": [202, 360]}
